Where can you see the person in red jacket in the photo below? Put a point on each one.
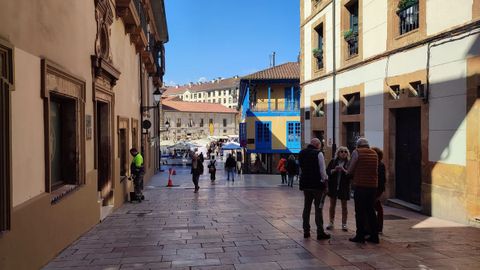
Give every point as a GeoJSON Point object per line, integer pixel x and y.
{"type": "Point", "coordinates": [282, 168]}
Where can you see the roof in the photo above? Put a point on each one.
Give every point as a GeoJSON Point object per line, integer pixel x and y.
{"type": "Point", "coordinates": [184, 106]}
{"type": "Point", "coordinates": [207, 86]}
{"type": "Point", "coordinates": [287, 71]}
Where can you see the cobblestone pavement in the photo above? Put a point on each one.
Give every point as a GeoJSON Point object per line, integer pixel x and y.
{"type": "Point", "coordinates": [255, 223]}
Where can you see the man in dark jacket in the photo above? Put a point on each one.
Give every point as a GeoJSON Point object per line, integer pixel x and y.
{"type": "Point", "coordinates": [313, 183]}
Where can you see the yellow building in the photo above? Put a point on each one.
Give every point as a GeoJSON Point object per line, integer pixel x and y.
{"type": "Point", "coordinates": [270, 107]}
{"type": "Point", "coordinates": [73, 78]}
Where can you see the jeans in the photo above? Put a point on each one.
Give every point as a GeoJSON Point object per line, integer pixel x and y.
{"type": "Point", "coordinates": [365, 211]}
{"type": "Point", "coordinates": [284, 177]}
{"type": "Point", "coordinates": [138, 184]}
{"type": "Point", "coordinates": [379, 209]}
{"type": "Point", "coordinates": [290, 180]}
{"type": "Point", "coordinates": [317, 197]}
{"type": "Point", "coordinates": [333, 203]}
{"type": "Point", "coordinates": [231, 171]}
{"type": "Point", "coordinates": [195, 178]}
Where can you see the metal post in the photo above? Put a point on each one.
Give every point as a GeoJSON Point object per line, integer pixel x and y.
{"type": "Point", "coordinates": [269, 90]}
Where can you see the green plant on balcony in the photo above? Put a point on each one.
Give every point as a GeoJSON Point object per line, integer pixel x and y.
{"type": "Point", "coordinates": [350, 35]}
{"type": "Point", "coordinates": [317, 53]}
{"type": "Point", "coordinates": [404, 4]}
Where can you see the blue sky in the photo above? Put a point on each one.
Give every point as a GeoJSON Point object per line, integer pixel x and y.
{"type": "Point", "coordinates": [223, 38]}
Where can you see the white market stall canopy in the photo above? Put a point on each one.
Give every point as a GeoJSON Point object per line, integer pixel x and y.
{"type": "Point", "coordinates": [231, 146]}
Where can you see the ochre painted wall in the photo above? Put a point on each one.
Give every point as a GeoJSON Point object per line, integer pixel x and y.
{"type": "Point", "coordinates": [278, 126]}
{"type": "Point", "coordinates": [41, 230]}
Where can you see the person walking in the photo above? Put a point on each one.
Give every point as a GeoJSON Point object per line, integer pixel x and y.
{"type": "Point", "coordinates": [312, 183]}
{"type": "Point", "coordinates": [197, 170]}
{"type": "Point", "coordinates": [212, 169]}
{"type": "Point", "coordinates": [137, 170]}
{"type": "Point", "coordinates": [281, 167]}
{"type": "Point", "coordinates": [364, 168]}
{"type": "Point", "coordinates": [230, 166]}
{"type": "Point", "coordinates": [380, 189]}
{"type": "Point", "coordinates": [292, 169]}
{"type": "Point", "coordinates": [339, 185]}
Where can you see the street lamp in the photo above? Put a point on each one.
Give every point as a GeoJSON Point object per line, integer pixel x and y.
{"type": "Point", "coordinates": [157, 94]}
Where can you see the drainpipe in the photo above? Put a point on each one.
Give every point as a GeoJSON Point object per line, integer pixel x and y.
{"type": "Point", "coordinates": [334, 82]}
{"type": "Point", "coordinates": [142, 150]}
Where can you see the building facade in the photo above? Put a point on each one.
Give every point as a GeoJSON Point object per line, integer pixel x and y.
{"type": "Point", "coordinates": [270, 114]}
{"type": "Point", "coordinates": [222, 91]}
{"type": "Point", "coordinates": [404, 74]}
{"type": "Point", "coordinates": [193, 120]}
{"type": "Point", "coordinates": [74, 78]}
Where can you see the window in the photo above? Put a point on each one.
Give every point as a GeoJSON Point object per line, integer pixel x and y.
{"type": "Point", "coordinates": [292, 98]}
{"type": "Point", "coordinates": [293, 135]}
{"type": "Point", "coordinates": [6, 83]}
{"type": "Point", "coordinates": [64, 97]}
{"type": "Point", "coordinates": [224, 100]}
{"type": "Point", "coordinates": [351, 34]}
{"type": "Point", "coordinates": [353, 103]}
{"type": "Point", "coordinates": [263, 135]}
{"type": "Point", "coordinates": [224, 122]}
{"type": "Point", "coordinates": [201, 122]}
{"type": "Point", "coordinates": [179, 122]}
{"type": "Point", "coordinates": [191, 123]}
{"type": "Point", "coordinates": [318, 108]}
{"type": "Point", "coordinates": [408, 15]}
{"type": "Point", "coordinates": [318, 51]}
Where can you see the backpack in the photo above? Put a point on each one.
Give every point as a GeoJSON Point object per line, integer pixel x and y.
{"type": "Point", "coordinates": [211, 167]}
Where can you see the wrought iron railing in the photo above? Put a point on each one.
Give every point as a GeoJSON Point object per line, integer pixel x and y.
{"type": "Point", "coordinates": [409, 19]}
{"type": "Point", "coordinates": [143, 16]}
{"type": "Point", "coordinates": [276, 106]}
{"type": "Point", "coordinates": [352, 42]}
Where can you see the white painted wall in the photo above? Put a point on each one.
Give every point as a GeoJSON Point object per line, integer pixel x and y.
{"type": "Point", "coordinates": [28, 145]}
{"type": "Point", "coordinates": [444, 14]}
{"type": "Point", "coordinates": [374, 27]}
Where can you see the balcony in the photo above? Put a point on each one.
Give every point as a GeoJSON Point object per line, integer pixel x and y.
{"type": "Point", "coordinates": [408, 18]}
{"type": "Point", "coordinates": [275, 107]}
{"type": "Point", "coordinates": [134, 17]}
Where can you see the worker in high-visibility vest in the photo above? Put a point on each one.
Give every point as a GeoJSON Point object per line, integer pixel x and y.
{"type": "Point", "coordinates": [137, 171]}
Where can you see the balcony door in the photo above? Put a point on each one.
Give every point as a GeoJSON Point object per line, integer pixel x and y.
{"type": "Point", "coordinates": [263, 135]}
{"type": "Point", "coordinates": [292, 98]}
{"type": "Point", "coordinates": [293, 135]}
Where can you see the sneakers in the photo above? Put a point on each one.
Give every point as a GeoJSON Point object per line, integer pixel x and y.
{"type": "Point", "coordinates": [330, 226]}
{"type": "Point", "coordinates": [344, 228]}
{"type": "Point", "coordinates": [323, 236]}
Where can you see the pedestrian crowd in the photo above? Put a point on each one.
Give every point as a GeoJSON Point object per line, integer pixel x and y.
{"type": "Point", "coordinates": [363, 170]}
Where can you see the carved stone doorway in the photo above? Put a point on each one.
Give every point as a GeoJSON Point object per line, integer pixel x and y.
{"type": "Point", "coordinates": [104, 152]}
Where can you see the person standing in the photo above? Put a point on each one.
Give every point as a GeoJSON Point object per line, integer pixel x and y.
{"type": "Point", "coordinates": [380, 189]}
{"type": "Point", "coordinates": [197, 170]}
{"type": "Point", "coordinates": [239, 162]}
{"type": "Point", "coordinates": [364, 168]}
{"type": "Point", "coordinates": [230, 166]}
{"type": "Point", "coordinates": [137, 170]}
{"type": "Point", "coordinates": [339, 185]}
{"type": "Point", "coordinates": [281, 167]}
{"type": "Point", "coordinates": [212, 169]}
{"type": "Point", "coordinates": [292, 169]}
{"type": "Point", "coordinates": [312, 183]}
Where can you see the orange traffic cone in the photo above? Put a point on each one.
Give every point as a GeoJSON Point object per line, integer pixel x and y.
{"type": "Point", "coordinates": [170, 183]}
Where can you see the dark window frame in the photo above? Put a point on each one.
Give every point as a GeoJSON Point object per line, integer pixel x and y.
{"type": "Point", "coordinates": [6, 86]}
{"type": "Point", "coordinates": [58, 83]}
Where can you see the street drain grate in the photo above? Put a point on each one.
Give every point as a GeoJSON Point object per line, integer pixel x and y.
{"type": "Point", "coordinates": [139, 213]}
{"type": "Point", "coordinates": [392, 217]}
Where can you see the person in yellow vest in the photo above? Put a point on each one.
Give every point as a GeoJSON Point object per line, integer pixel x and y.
{"type": "Point", "coordinates": [137, 171]}
{"type": "Point", "coordinates": [363, 166]}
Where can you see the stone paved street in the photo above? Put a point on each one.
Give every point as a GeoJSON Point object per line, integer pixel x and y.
{"type": "Point", "coordinates": [255, 223]}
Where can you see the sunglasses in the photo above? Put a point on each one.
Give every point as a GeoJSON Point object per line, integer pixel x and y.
{"type": "Point", "coordinates": [343, 151]}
